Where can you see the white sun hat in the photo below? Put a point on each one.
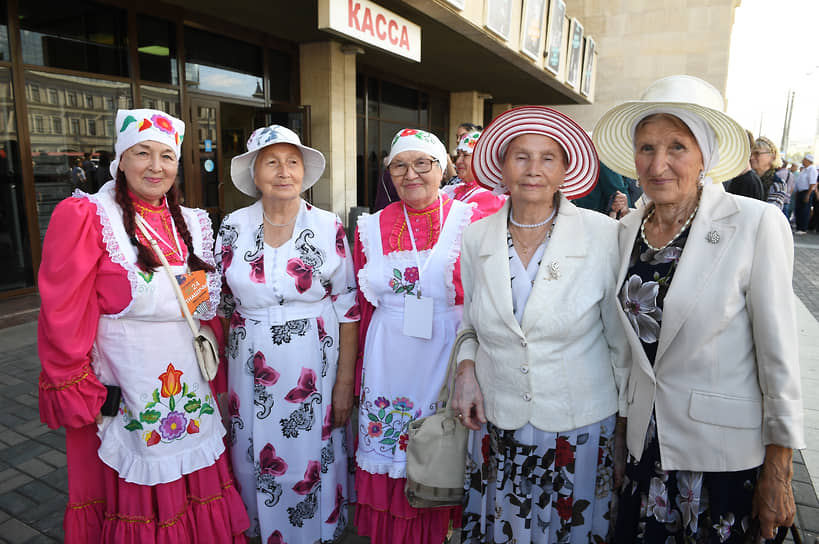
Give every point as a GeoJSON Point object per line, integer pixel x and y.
{"type": "Point", "coordinates": [241, 167]}
{"type": "Point", "coordinates": [682, 96]}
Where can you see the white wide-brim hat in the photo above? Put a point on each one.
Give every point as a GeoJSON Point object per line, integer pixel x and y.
{"type": "Point", "coordinates": [241, 167]}
{"type": "Point", "coordinates": [613, 135]}
{"type": "Point", "coordinates": [487, 159]}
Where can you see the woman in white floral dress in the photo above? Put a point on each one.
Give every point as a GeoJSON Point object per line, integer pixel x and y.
{"type": "Point", "coordinates": [289, 292]}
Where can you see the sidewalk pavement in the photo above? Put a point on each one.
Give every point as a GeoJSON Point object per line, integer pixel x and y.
{"type": "Point", "coordinates": [34, 479]}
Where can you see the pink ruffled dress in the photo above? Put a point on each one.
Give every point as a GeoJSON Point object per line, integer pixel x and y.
{"type": "Point", "coordinates": [398, 377]}
{"type": "Point", "coordinates": [469, 191]}
{"type": "Point", "coordinates": [91, 292]}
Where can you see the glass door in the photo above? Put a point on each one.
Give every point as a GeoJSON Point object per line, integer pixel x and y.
{"type": "Point", "coordinates": [207, 193]}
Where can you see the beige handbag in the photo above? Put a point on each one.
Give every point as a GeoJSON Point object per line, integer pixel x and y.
{"type": "Point", "coordinates": [204, 341]}
{"type": "Point", "coordinates": [436, 452]}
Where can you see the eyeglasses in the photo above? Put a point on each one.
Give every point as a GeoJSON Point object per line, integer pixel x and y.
{"type": "Point", "coordinates": [420, 166]}
{"type": "Point", "coordinates": [757, 153]}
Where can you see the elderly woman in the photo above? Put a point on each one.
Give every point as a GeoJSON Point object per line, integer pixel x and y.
{"type": "Point", "coordinates": [467, 188]}
{"type": "Point", "coordinates": [407, 260]}
{"type": "Point", "coordinates": [714, 398]}
{"type": "Point", "coordinates": [542, 383]}
{"type": "Point", "coordinates": [146, 460]}
{"type": "Point", "coordinates": [290, 296]}
{"type": "Point", "coordinates": [765, 161]}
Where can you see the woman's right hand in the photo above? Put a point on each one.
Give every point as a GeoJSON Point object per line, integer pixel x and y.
{"type": "Point", "coordinates": [467, 400]}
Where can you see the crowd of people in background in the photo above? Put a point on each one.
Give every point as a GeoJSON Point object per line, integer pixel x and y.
{"type": "Point", "coordinates": [612, 289]}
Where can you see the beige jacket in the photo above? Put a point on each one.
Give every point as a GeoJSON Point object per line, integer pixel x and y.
{"type": "Point", "coordinates": [563, 366]}
{"type": "Point", "coordinates": [725, 379]}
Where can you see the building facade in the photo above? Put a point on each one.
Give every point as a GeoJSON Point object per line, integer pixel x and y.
{"type": "Point", "coordinates": [66, 67]}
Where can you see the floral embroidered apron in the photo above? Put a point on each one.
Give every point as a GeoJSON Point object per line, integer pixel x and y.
{"type": "Point", "coordinates": [402, 375]}
{"type": "Point", "coordinates": [168, 423]}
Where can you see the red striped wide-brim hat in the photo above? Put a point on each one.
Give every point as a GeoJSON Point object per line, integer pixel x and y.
{"type": "Point", "coordinates": [487, 159]}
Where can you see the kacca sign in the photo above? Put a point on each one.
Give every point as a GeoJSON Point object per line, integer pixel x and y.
{"type": "Point", "coordinates": [369, 23]}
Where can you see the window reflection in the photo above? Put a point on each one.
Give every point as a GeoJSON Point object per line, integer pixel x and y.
{"type": "Point", "coordinates": [83, 36]}
{"type": "Point", "coordinates": [15, 253]}
{"type": "Point", "coordinates": [157, 50]}
{"type": "Point", "coordinates": [87, 107]}
{"type": "Point", "coordinates": [222, 65]}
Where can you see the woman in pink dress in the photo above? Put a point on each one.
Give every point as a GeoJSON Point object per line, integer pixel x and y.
{"type": "Point", "coordinates": [407, 252]}
{"type": "Point", "coordinates": [467, 188]}
{"type": "Point", "coordinates": [146, 459]}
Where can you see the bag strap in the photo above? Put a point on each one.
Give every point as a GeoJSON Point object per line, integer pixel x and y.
{"type": "Point", "coordinates": [448, 387]}
{"type": "Point", "coordinates": [176, 289]}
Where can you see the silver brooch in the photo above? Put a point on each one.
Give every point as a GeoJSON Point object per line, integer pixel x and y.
{"type": "Point", "coordinates": [554, 270]}
{"type": "Point", "coordinates": [712, 237]}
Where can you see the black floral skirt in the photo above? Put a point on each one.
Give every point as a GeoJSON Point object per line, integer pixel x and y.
{"type": "Point", "coordinates": [682, 506]}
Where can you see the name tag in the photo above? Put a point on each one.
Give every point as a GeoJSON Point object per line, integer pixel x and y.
{"type": "Point", "coordinates": [195, 290]}
{"type": "Point", "coordinates": [418, 317]}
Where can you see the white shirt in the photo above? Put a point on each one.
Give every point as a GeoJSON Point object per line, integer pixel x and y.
{"type": "Point", "coordinates": [805, 179]}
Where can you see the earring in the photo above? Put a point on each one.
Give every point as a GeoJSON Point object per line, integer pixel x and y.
{"type": "Point", "coordinates": [701, 176]}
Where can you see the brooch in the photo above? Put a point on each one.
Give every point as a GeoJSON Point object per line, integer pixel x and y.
{"type": "Point", "coordinates": [554, 270]}
{"type": "Point", "coordinates": [712, 237]}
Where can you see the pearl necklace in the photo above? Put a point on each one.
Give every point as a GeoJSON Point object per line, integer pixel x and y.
{"type": "Point", "coordinates": [679, 232]}
{"type": "Point", "coordinates": [279, 224]}
{"type": "Point", "coordinates": [531, 225]}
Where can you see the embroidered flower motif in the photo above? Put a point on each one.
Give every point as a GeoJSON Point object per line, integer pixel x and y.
{"type": "Point", "coordinates": [381, 402]}
{"type": "Point", "coordinates": [270, 463]}
{"type": "Point", "coordinates": [657, 505]}
{"type": "Point", "coordinates": [302, 273]}
{"type": "Point", "coordinates": [173, 425]}
{"type": "Point", "coordinates": [127, 121]}
{"type": "Point", "coordinates": [152, 438]}
{"type": "Point", "coordinates": [310, 480]}
{"type": "Point", "coordinates": [563, 452]}
{"type": "Point", "coordinates": [402, 404]}
{"type": "Point", "coordinates": [403, 440]}
{"type": "Point", "coordinates": [374, 429]}
{"type": "Point", "coordinates": [144, 125]}
{"type": "Point", "coordinates": [640, 304]}
{"type": "Point", "coordinates": [171, 383]}
{"type": "Point", "coordinates": [193, 427]}
{"type": "Point", "coordinates": [408, 132]}
{"type": "Point", "coordinates": [305, 387]}
{"type": "Point", "coordinates": [411, 274]}
{"type": "Point", "coordinates": [162, 123]}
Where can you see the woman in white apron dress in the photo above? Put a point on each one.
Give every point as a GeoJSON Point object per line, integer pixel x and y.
{"type": "Point", "coordinates": [145, 454]}
{"type": "Point", "coordinates": [290, 294]}
{"type": "Point", "coordinates": [409, 282]}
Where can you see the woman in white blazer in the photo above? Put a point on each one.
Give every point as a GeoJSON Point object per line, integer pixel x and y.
{"type": "Point", "coordinates": [542, 384]}
{"type": "Point", "coordinates": [714, 401]}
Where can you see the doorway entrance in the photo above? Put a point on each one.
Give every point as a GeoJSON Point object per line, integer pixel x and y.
{"type": "Point", "coordinates": [220, 130]}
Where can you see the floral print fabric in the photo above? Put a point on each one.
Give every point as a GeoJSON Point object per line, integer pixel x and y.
{"type": "Point", "coordinates": [285, 307]}
{"type": "Point", "coordinates": [673, 506]}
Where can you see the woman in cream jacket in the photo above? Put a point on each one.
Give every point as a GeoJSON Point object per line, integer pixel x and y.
{"type": "Point", "coordinates": [542, 384]}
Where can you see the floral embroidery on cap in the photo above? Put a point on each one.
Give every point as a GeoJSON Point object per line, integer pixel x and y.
{"type": "Point", "coordinates": [162, 123]}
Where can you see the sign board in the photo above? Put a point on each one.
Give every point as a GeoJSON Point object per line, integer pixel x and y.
{"type": "Point", "coordinates": [370, 24]}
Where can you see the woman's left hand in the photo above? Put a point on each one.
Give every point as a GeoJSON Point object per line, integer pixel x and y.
{"type": "Point", "coordinates": [342, 403]}
{"type": "Point", "coordinates": [773, 500]}
{"type": "Point", "coordinates": [619, 452]}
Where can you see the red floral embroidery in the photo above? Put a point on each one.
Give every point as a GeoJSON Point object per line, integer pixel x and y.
{"type": "Point", "coordinates": [171, 382]}
{"type": "Point", "coordinates": [408, 132]}
{"type": "Point", "coordinates": [193, 426]}
{"type": "Point", "coordinates": [302, 273]}
{"type": "Point", "coordinates": [153, 438]}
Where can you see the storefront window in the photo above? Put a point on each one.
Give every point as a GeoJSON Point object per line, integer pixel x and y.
{"type": "Point", "coordinates": [221, 65]}
{"type": "Point", "coordinates": [15, 253]}
{"type": "Point", "coordinates": [82, 36]}
{"type": "Point", "coordinates": [157, 50]}
{"type": "Point", "coordinates": [89, 140]}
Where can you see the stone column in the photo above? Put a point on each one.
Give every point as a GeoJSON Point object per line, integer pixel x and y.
{"type": "Point", "coordinates": [464, 107]}
{"type": "Point", "coordinates": [328, 87]}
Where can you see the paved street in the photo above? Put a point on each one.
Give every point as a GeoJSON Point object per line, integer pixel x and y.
{"type": "Point", "coordinates": [34, 481]}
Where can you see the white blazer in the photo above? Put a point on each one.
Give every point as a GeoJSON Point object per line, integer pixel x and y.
{"type": "Point", "coordinates": [725, 380]}
{"type": "Point", "coordinates": [562, 367]}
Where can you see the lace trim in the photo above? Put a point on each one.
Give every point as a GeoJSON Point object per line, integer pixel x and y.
{"type": "Point", "coordinates": [49, 386]}
{"type": "Point", "coordinates": [214, 278]}
{"type": "Point", "coordinates": [363, 278]}
{"type": "Point", "coordinates": [112, 247]}
{"type": "Point", "coordinates": [455, 251]}
{"type": "Point", "coordinates": [390, 469]}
